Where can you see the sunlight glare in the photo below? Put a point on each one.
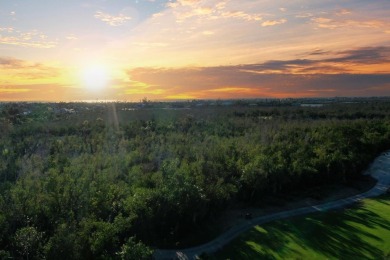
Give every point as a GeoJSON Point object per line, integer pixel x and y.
{"type": "Point", "coordinates": [95, 77]}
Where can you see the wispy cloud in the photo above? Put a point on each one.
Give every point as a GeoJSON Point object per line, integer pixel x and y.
{"type": "Point", "coordinates": [7, 29]}
{"type": "Point", "coordinates": [231, 90]}
{"type": "Point", "coordinates": [11, 90]}
{"type": "Point", "coordinates": [273, 22]}
{"type": "Point", "coordinates": [348, 61]}
{"type": "Point", "coordinates": [71, 37]}
{"type": "Point", "coordinates": [150, 44]}
{"type": "Point", "coordinates": [366, 55]}
{"type": "Point", "coordinates": [26, 70]}
{"type": "Point", "coordinates": [245, 32]}
{"type": "Point", "coordinates": [33, 38]}
{"type": "Point", "coordinates": [304, 15]}
{"type": "Point", "coordinates": [204, 31]}
{"type": "Point", "coordinates": [210, 10]}
{"type": "Point", "coordinates": [330, 23]}
{"type": "Point", "coordinates": [11, 63]}
{"type": "Point", "coordinates": [241, 15]}
{"type": "Point", "coordinates": [208, 33]}
{"type": "Point", "coordinates": [183, 3]}
{"type": "Point", "coordinates": [37, 92]}
{"type": "Point", "coordinates": [113, 20]}
{"type": "Point", "coordinates": [343, 12]}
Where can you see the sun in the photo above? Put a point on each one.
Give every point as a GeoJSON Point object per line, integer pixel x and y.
{"type": "Point", "coordinates": [95, 77]}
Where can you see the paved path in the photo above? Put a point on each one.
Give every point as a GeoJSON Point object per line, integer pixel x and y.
{"type": "Point", "coordinates": [379, 169]}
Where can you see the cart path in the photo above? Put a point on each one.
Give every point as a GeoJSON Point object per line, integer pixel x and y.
{"type": "Point", "coordinates": [379, 170]}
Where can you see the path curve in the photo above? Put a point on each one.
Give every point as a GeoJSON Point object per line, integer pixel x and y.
{"type": "Point", "coordinates": [379, 170]}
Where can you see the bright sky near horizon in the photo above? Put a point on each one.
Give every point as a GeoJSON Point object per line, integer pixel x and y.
{"type": "Point", "coordinates": [189, 49]}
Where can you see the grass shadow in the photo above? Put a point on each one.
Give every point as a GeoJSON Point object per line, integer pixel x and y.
{"type": "Point", "coordinates": [334, 235]}
{"type": "Point", "coordinates": [342, 234]}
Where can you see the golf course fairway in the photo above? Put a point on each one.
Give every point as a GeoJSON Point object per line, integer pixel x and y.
{"type": "Point", "coordinates": [359, 232]}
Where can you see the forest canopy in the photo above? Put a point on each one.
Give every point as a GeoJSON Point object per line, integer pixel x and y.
{"type": "Point", "coordinates": [113, 180]}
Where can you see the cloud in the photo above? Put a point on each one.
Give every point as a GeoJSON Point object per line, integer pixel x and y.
{"type": "Point", "coordinates": [330, 76]}
{"type": "Point", "coordinates": [190, 3]}
{"type": "Point", "coordinates": [241, 90]}
{"type": "Point", "coordinates": [27, 70]}
{"type": "Point", "coordinates": [11, 63]}
{"type": "Point", "coordinates": [319, 72]}
{"type": "Point", "coordinates": [318, 52]}
{"type": "Point", "coordinates": [233, 29]}
{"type": "Point", "coordinates": [35, 92]}
{"type": "Point", "coordinates": [33, 38]}
{"type": "Point", "coordinates": [273, 22]}
{"type": "Point", "coordinates": [343, 12]}
{"type": "Point", "coordinates": [12, 90]}
{"type": "Point", "coordinates": [329, 23]}
{"type": "Point", "coordinates": [208, 32]}
{"type": "Point", "coordinates": [304, 15]}
{"type": "Point", "coordinates": [112, 19]}
{"type": "Point", "coordinates": [7, 29]}
{"type": "Point", "coordinates": [150, 44]}
{"type": "Point", "coordinates": [247, 31]}
{"type": "Point", "coordinates": [347, 61]}
{"type": "Point", "coordinates": [71, 37]}
{"type": "Point", "coordinates": [366, 55]}
{"type": "Point", "coordinates": [241, 15]}
{"type": "Point", "coordinates": [277, 66]}
{"type": "Point", "coordinates": [237, 82]}
{"type": "Point", "coordinates": [210, 10]}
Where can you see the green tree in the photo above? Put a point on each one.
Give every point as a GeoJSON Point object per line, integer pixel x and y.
{"type": "Point", "coordinates": [132, 250]}
{"type": "Point", "coordinates": [28, 242]}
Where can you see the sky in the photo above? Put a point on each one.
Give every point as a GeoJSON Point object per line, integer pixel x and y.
{"type": "Point", "coordinates": [193, 49]}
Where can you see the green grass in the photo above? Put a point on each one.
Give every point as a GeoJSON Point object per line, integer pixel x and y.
{"type": "Point", "coordinates": [361, 232]}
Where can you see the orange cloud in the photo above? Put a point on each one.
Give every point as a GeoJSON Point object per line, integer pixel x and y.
{"type": "Point", "coordinates": [7, 90]}
{"type": "Point", "coordinates": [24, 70]}
{"type": "Point", "coordinates": [241, 15]}
{"type": "Point", "coordinates": [35, 92]}
{"type": "Point", "coordinates": [335, 75]}
{"type": "Point", "coordinates": [232, 90]}
{"type": "Point", "coordinates": [182, 96]}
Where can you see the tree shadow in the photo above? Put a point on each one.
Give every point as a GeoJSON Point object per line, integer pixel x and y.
{"type": "Point", "coordinates": [341, 234]}
{"type": "Point", "coordinates": [257, 243]}
{"type": "Point", "coordinates": [338, 236]}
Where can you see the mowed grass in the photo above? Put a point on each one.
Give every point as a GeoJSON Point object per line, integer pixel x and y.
{"type": "Point", "coordinates": [360, 232]}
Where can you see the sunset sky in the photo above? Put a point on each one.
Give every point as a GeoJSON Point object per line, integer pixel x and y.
{"type": "Point", "coordinates": [193, 49]}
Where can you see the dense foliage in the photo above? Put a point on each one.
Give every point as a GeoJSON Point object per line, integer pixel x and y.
{"type": "Point", "coordinates": [98, 181]}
